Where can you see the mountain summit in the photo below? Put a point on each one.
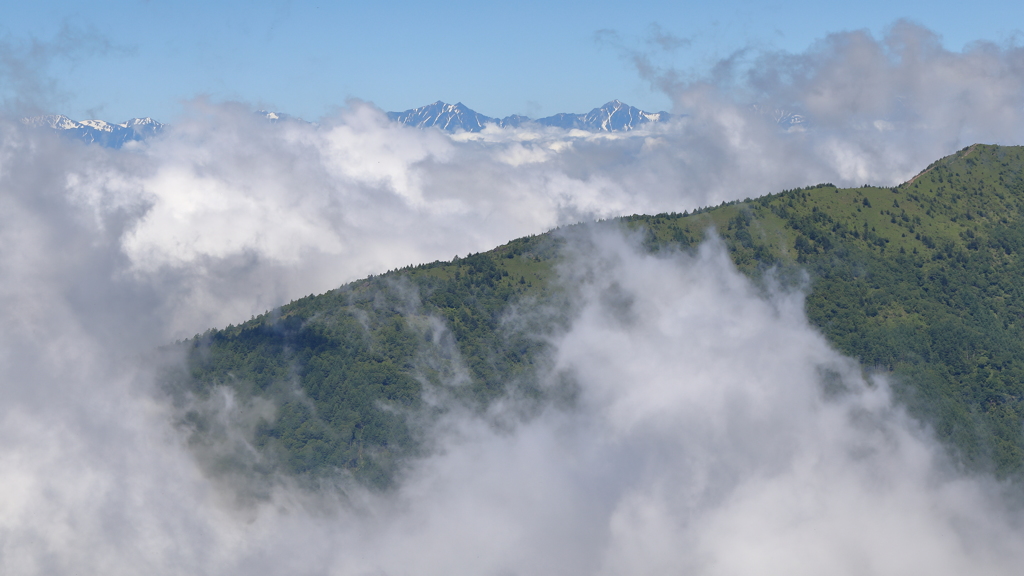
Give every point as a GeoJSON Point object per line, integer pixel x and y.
{"type": "Point", "coordinates": [99, 131]}
{"type": "Point", "coordinates": [615, 116]}
{"type": "Point", "coordinates": [449, 117]}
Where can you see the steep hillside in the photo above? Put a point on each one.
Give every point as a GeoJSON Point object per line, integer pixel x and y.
{"type": "Point", "coordinates": [924, 282]}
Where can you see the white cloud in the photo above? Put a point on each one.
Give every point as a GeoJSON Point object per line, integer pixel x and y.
{"type": "Point", "coordinates": [702, 441]}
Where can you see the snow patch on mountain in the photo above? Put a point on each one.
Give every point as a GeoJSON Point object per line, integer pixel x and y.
{"type": "Point", "coordinates": [98, 131]}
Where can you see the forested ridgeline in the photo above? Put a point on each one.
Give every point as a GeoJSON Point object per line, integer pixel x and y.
{"type": "Point", "coordinates": [924, 281]}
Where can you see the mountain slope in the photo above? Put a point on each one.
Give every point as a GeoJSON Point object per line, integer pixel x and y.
{"type": "Point", "coordinates": [923, 282]}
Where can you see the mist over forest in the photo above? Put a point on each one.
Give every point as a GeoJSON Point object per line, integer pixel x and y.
{"type": "Point", "coordinates": [683, 426]}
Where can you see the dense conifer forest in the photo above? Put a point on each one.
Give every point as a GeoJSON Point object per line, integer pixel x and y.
{"type": "Point", "coordinates": [923, 282]}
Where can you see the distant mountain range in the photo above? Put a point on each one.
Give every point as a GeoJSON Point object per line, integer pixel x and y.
{"type": "Point", "coordinates": [615, 116]}
{"type": "Point", "coordinates": [98, 131]}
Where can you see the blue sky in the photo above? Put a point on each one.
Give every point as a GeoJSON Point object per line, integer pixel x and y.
{"type": "Point", "coordinates": [120, 59]}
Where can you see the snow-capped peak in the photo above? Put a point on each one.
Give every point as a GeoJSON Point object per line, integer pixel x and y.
{"type": "Point", "coordinates": [98, 131]}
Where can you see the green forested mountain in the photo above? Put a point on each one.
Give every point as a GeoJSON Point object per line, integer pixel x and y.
{"type": "Point", "coordinates": [924, 281]}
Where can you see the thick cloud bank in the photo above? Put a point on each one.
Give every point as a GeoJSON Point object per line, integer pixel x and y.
{"type": "Point", "coordinates": [715, 432]}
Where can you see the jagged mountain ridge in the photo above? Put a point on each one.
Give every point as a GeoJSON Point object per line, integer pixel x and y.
{"type": "Point", "coordinates": [614, 116]}
{"type": "Point", "coordinates": [99, 132]}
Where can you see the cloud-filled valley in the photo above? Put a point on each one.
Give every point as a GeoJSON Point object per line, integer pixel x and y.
{"type": "Point", "coordinates": [703, 439]}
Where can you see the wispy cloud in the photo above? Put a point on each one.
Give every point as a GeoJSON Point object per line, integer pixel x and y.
{"type": "Point", "coordinates": [28, 85]}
